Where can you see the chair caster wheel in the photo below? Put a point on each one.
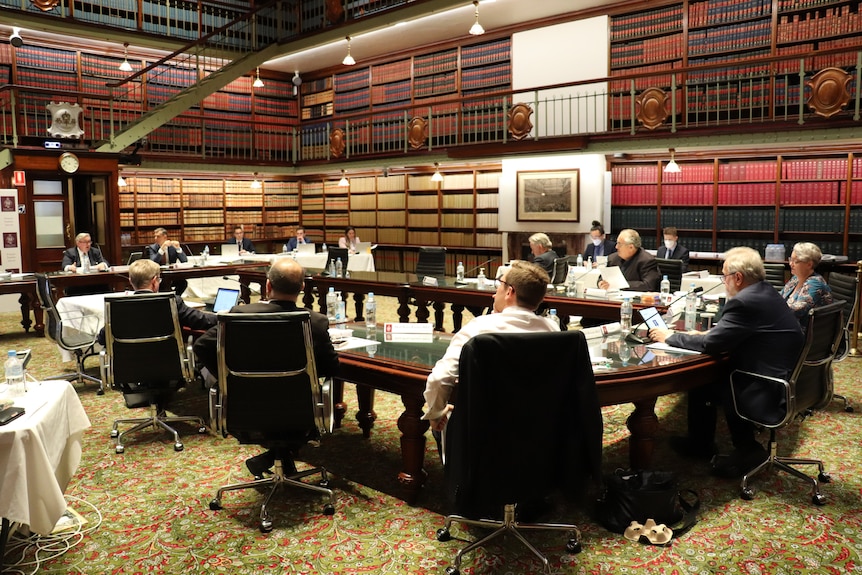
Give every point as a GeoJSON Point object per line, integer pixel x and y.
{"type": "Point", "coordinates": [747, 493]}
{"type": "Point", "coordinates": [849, 409]}
{"type": "Point", "coordinates": [818, 499]}
{"type": "Point", "coordinates": [119, 449]}
{"type": "Point", "coordinates": [443, 534]}
{"type": "Point", "coordinates": [452, 571]}
{"type": "Point", "coordinates": [100, 392]}
{"type": "Point", "coordinates": [265, 526]}
{"type": "Point", "coordinates": [178, 446]}
{"type": "Point", "coordinates": [329, 509]}
{"type": "Point", "coordinates": [573, 546]}
{"type": "Point", "coordinates": [202, 429]}
{"type": "Point", "coordinates": [824, 477]}
{"type": "Point", "coordinates": [324, 483]}
{"type": "Point", "coordinates": [215, 505]}
{"type": "Point", "coordinates": [115, 433]}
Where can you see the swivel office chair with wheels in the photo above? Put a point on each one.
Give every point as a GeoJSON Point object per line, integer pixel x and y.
{"type": "Point", "coordinates": [845, 287]}
{"type": "Point", "coordinates": [775, 275]}
{"type": "Point", "coordinates": [508, 445]}
{"type": "Point", "coordinates": [270, 395]}
{"type": "Point", "coordinates": [673, 270]}
{"type": "Point", "coordinates": [773, 403]}
{"type": "Point", "coordinates": [431, 262]}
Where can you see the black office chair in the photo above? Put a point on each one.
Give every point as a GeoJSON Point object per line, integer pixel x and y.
{"type": "Point", "coordinates": [431, 262]}
{"type": "Point", "coordinates": [69, 332]}
{"type": "Point", "coordinates": [134, 256]}
{"type": "Point", "coordinates": [775, 275]}
{"type": "Point", "coordinates": [146, 359]}
{"type": "Point", "coordinates": [846, 288]}
{"type": "Point", "coordinates": [518, 432]}
{"type": "Point", "coordinates": [269, 395]}
{"type": "Point", "coordinates": [673, 270]}
{"type": "Point", "coordinates": [772, 402]}
{"type": "Point", "coordinates": [334, 254]}
{"type": "Point", "coordinates": [561, 268]}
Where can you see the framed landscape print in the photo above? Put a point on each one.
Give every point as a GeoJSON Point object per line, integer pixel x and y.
{"type": "Point", "coordinates": [548, 196]}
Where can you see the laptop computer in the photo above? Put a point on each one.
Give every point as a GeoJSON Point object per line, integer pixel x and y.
{"type": "Point", "coordinates": [225, 299]}
{"type": "Point", "coordinates": [305, 248]}
{"type": "Point", "coordinates": [652, 318]}
{"type": "Point", "coordinates": [230, 250]}
{"type": "Point", "coordinates": [363, 247]}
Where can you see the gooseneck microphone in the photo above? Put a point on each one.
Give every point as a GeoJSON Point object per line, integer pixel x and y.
{"type": "Point", "coordinates": [634, 338]}
{"type": "Point", "coordinates": [482, 265]}
{"type": "Point", "coordinates": [251, 289]}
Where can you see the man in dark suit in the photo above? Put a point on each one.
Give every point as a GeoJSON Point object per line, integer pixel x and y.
{"type": "Point", "coordinates": [166, 252]}
{"type": "Point", "coordinates": [243, 244]}
{"type": "Point", "coordinates": [599, 244]}
{"type": "Point", "coordinates": [284, 282]}
{"type": "Point", "coordinates": [144, 278]}
{"type": "Point", "coordinates": [672, 250]}
{"type": "Point", "coordinates": [298, 239]}
{"type": "Point", "coordinates": [760, 334]}
{"type": "Point", "coordinates": [84, 256]}
{"type": "Point", "coordinates": [638, 265]}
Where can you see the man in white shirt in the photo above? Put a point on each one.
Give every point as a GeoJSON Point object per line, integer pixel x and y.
{"type": "Point", "coordinates": [83, 253]}
{"type": "Point", "coordinates": [520, 290]}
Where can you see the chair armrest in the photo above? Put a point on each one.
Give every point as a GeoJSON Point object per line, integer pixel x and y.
{"type": "Point", "coordinates": [324, 407]}
{"type": "Point", "coordinates": [105, 369]}
{"type": "Point", "coordinates": [762, 399]}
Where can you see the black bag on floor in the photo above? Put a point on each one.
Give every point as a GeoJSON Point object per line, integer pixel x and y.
{"type": "Point", "coordinates": [638, 496]}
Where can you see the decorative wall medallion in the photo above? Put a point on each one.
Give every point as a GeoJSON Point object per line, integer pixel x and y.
{"type": "Point", "coordinates": [829, 93]}
{"type": "Point", "coordinates": [651, 107]}
{"type": "Point", "coordinates": [520, 125]}
{"type": "Point", "coordinates": [45, 5]}
{"type": "Point", "coordinates": [336, 143]}
{"type": "Point", "coordinates": [65, 120]}
{"type": "Point", "coordinates": [417, 132]}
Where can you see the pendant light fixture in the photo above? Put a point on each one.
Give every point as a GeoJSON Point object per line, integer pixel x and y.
{"type": "Point", "coordinates": [476, 29]}
{"type": "Point", "coordinates": [124, 65]}
{"type": "Point", "coordinates": [348, 60]}
{"type": "Point", "coordinates": [258, 83]}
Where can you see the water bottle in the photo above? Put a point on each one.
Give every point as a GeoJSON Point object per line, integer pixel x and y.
{"type": "Point", "coordinates": [590, 262]}
{"type": "Point", "coordinates": [571, 283]}
{"type": "Point", "coordinates": [331, 269]}
{"type": "Point", "coordinates": [340, 312]}
{"type": "Point", "coordinates": [480, 279]}
{"type": "Point", "coordinates": [330, 305]}
{"type": "Point", "coordinates": [459, 272]}
{"type": "Point", "coordinates": [690, 308]}
{"type": "Point", "coordinates": [324, 249]}
{"type": "Point", "coordinates": [85, 265]}
{"type": "Point", "coordinates": [339, 268]}
{"type": "Point", "coordinates": [370, 312]}
{"type": "Point", "coordinates": [552, 314]}
{"type": "Point", "coordinates": [284, 248]}
{"type": "Point", "coordinates": [625, 351]}
{"type": "Point", "coordinates": [14, 375]}
{"type": "Point", "coordinates": [665, 291]}
{"type": "Point", "coordinates": [626, 316]}
{"type": "Point", "coordinates": [580, 261]}
{"type": "Point", "coordinates": [205, 254]}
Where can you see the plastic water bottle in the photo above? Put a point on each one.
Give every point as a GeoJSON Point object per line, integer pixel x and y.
{"type": "Point", "coordinates": [85, 265]}
{"type": "Point", "coordinates": [580, 261]}
{"type": "Point", "coordinates": [665, 290]}
{"type": "Point", "coordinates": [480, 279]}
{"type": "Point", "coordinates": [626, 316]}
{"type": "Point", "coordinates": [690, 308]}
{"type": "Point", "coordinates": [324, 249]}
{"type": "Point", "coordinates": [370, 312]}
{"type": "Point", "coordinates": [552, 314]}
{"type": "Point", "coordinates": [205, 254]}
{"type": "Point", "coordinates": [625, 351]}
{"type": "Point", "coordinates": [14, 375]}
{"type": "Point", "coordinates": [284, 248]}
{"type": "Point", "coordinates": [571, 282]}
{"type": "Point", "coordinates": [340, 312]}
{"type": "Point", "coordinates": [339, 268]}
{"type": "Point", "coordinates": [590, 262]}
{"type": "Point", "coordinates": [330, 304]}
{"type": "Point", "coordinates": [459, 272]}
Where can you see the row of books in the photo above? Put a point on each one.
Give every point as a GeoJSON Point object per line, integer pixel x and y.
{"type": "Point", "coordinates": [497, 75]}
{"type": "Point", "coordinates": [687, 218]}
{"type": "Point", "coordinates": [717, 12]}
{"type": "Point", "coordinates": [273, 201]}
{"type": "Point", "coordinates": [487, 53]}
{"type": "Point", "coordinates": [648, 22]}
{"type": "Point", "coordinates": [282, 215]}
{"type": "Point", "coordinates": [391, 72]}
{"type": "Point", "coordinates": [819, 24]}
{"type": "Point", "coordinates": [435, 85]}
{"type": "Point", "coordinates": [359, 219]}
{"type": "Point", "coordinates": [203, 216]}
{"type": "Point", "coordinates": [391, 219]}
{"type": "Point", "coordinates": [237, 103]}
{"type": "Point", "coordinates": [352, 100]}
{"type": "Point", "coordinates": [351, 80]}
{"type": "Point", "coordinates": [319, 85]}
{"type": "Point", "coordinates": [805, 220]}
{"type": "Point", "coordinates": [648, 50]}
{"type": "Point", "coordinates": [742, 219]}
{"type": "Point", "coordinates": [151, 219]}
{"type": "Point", "coordinates": [792, 5]}
{"type": "Point", "coordinates": [748, 34]}
{"type": "Point", "coordinates": [637, 218]}
{"type": "Point", "coordinates": [318, 111]}
{"type": "Point", "coordinates": [394, 92]}
{"type": "Point", "coordinates": [735, 71]}
{"type": "Point", "coordinates": [435, 63]}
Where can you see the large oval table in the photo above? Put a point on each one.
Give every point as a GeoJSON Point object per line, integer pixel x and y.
{"type": "Point", "coordinates": [402, 368]}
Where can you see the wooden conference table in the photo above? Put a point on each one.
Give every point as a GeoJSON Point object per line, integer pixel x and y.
{"type": "Point", "coordinates": [25, 286]}
{"type": "Point", "coordinates": [402, 368]}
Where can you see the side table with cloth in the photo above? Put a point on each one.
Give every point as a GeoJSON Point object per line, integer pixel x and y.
{"type": "Point", "coordinates": [39, 453]}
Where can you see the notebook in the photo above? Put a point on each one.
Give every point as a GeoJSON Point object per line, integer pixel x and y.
{"type": "Point", "coordinates": [305, 248]}
{"type": "Point", "coordinates": [230, 250]}
{"type": "Point", "coordinates": [225, 299]}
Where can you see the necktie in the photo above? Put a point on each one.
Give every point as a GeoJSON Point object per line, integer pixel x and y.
{"type": "Point", "coordinates": [670, 254]}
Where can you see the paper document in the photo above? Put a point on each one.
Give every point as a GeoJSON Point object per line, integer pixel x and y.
{"type": "Point", "coordinates": [614, 276]}
{"type": "Point", "coordinates": [671, 349]}
{"type": "Point", "coordinates": [355, 343]}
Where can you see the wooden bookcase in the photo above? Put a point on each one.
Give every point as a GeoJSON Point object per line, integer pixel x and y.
{"type": "Point", "coordinates": [753, 201]}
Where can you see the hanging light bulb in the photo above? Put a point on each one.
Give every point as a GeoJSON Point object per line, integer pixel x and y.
{"type": "Point", "coordinates": [125, 66]}
{"type": "Point", "coordinates": [436, 176]}
{"type": "Point", "coordinates": [121, 182]}
{"type": "Point", "coordinates": [476, 29]}
{"type": "Point", "coordinates": [672, 167]}
{"type": "Point", "coordinates": [348, 60]}
{"type": "Point", "coordinates": [255, 183]}
{"type": "Point", "coordinates": [258, 83]}
{"type": "Point", "coordinates": [343, 182]}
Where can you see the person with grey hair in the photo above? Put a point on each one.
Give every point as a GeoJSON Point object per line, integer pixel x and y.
{"type": "Point", "coordinates": [806, 289]}
{"type": "Point", "coordinates": [638, 265]}
{"type": "Point", "coordinates": [75, 257]}
{"type": "Point", "coordinates": [543, 255]}
{"type": "Point", "coordinates": [759, 333]}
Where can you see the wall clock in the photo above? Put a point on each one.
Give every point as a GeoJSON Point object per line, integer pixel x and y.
{"type": "Point", "coordinates": [69, 162]}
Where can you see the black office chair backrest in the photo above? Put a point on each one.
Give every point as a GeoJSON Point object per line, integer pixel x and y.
{"type": "Point", "coordinates": [134, 256]}
{"type": "Point", "coordinates": [267, 377]}
{"type": "Point", "coordinates": [521, 428]}
{"type": "Point", "coordinates": [144, 341]}
{"type": "Point", "coordinates": [431, 262]}
{"type": "Point", "coordinates": [561, 268]}
{"type": "Point", "coordinates": [46, 300]}
{"type": "Point", "coordinates": [775, 274]}
{"type": "Point", "coordinates": [844, 287]}
{"type": "Point", "coordinates": [673, 270]}
{"type": "Point", "coordinates": [334, 254]}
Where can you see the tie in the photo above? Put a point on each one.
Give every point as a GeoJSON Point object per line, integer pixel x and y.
{"type": "Point", "coordinates": [670, 254]}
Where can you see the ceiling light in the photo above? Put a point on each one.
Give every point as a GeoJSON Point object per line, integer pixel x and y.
{"type": "Point", "coordinates": [121, 182]}
{"type": "Point", "coordinates": [348, 60]}
{"type": "Point", "coordinates": [476, 29]}
{"type": "Point", "coordinates": [255, 183]}
{"type": "Point", "coordinates": [672, 167]}
{"type": "Point", "coordinates": [343, 182]}
{"type": "Point", "coordinates": [258, 83]}
{"type": "Point", "coordinates": [125, 66]}
{"type": "Point", "coordinates": [436, 176]}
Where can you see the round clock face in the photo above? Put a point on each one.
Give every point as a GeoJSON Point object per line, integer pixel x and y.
{"type": "Point", "coordinates": [69, 162]}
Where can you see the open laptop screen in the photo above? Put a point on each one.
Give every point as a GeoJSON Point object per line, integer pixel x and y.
{"type": "Point", "coordinates": [225, 299]}
{"type": "Point", "coordinates": [229, 250]}
{"type": "Point", "coordinates": [305, 248]}
{"type": "Point", "coordinates": [652, 318]}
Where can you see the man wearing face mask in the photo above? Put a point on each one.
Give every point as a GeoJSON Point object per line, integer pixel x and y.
{"type": "Point", "coordinates": [671, 249]}
{"type": "Point", "coordinates": [599, 245]}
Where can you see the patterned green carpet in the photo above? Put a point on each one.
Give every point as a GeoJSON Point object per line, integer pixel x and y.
{"type": "Point", "coordinates": [148, 512]}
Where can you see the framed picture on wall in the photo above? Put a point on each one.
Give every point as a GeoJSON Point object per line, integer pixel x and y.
{"type": "Point", "coordinates": [548, 196]}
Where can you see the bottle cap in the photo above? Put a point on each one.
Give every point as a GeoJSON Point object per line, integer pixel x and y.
{"type": "Point", "coordinates": [12, 353]}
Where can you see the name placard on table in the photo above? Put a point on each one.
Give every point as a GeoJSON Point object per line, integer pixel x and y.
{"type": "Point", "coordinates": [408, 332]}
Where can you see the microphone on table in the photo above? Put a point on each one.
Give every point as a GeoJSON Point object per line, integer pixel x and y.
{"type": "Point", "coordinates": [251, 289]}
{"type": "Point", "coordinates": [634, 338]}
{"type": "Point", "coordinates": [482, 265]}
{"type": "Point", "coordinates": [188, 249]}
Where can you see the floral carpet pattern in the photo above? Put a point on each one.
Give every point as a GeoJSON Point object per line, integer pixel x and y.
{"type": "Point", "coordinates": [153, 503]}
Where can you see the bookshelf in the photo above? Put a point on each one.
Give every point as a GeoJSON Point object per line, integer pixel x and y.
{"type": "Point", "coordinates": [317, 99]}
{"type": "Point", "coordinates": [753, 201]}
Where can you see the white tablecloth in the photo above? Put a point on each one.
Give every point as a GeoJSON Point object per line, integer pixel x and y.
{"type": "Point", "coordinates": [39, 453]}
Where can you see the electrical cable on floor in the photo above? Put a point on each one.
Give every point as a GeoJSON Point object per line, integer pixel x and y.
{"type": "Point", "coordinates": [36, 549]}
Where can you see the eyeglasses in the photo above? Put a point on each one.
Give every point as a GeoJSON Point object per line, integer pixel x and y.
{"type": "Point", "coordinates": [498, 281]}
{"type": "Point", "coordinates": [725, 276]}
